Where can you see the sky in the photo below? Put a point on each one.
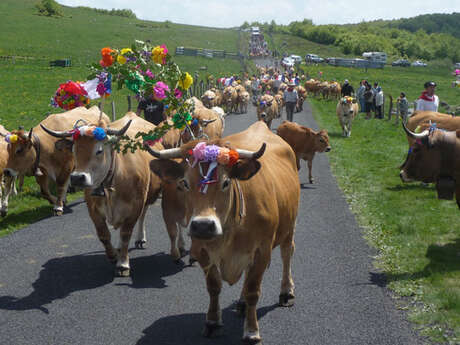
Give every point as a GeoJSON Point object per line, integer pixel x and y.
{"type": "Point", "coordinates": [231, 13]}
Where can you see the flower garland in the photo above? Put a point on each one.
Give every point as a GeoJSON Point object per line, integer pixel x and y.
{"type": "Point", "coordinates": [11, 138]}
{"type": "Point", "coordinates": [97, 133]}
{"type": "Point", "coordinates": [70, 95]}
{"type": "Point", "coordinates": [148, 71]}
{"type": "Point", "coordinates": [347, 100]}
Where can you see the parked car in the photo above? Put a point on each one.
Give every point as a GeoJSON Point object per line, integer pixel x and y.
{"type": "Point", "coordinates": [418, 63]}
{"type": "Point", "coordinates": [457, 65]}
{"type": "Point", "coordinates": [401, 62]}
{"type": "Point", "coordinates": [313, 58]}
{"type": "Point", "coordinates": [287, 62]}
{"type": "Point", "coordinates": [296, 58]}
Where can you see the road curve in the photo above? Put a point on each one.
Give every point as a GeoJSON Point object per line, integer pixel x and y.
{"type": "Point", "coordinates": [56, 286]}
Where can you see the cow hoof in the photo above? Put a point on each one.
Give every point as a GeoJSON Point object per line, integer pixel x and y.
{"type": "Point", "coordinates": [252, 341]}
{"type": "Point", "coordinates": [286, 300]}
{"type": "Point", "coordinates": [212, 329]}
{"type": "Point", "coordinates": [58, 212]}
{"type": "Point", "coordinates": [312, 180]}
{"type": "Point", "coordinates": [182, 252]}
{"type": "Point", "coordinates": [121, 272]}
{"type": "Point", "coordinates": [141, 244]}
{"type": "Point", "coordinates": [241, 308]}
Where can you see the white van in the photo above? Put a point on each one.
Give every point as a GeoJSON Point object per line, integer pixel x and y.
{"type": "Point", "coordinates": [296, 58]}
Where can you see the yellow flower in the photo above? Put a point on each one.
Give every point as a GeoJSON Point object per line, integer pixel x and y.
{"type": "Point", "coordinates": [121, 59]}
{"type": "Point", "coordinates": [125, 50]}
{"type": "Point", "coordinates": [186, 81]}
{"type": "Point", "coordinates": [13, 138]}
{"type": "Point", "coordinates": [159, 54]}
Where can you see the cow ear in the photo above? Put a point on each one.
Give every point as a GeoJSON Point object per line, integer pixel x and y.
{"type": "Point", "coordinates": [244, 169]}
{"type": "Point", "coordinates": [166, 169]}
{"type": "Point", "coordinates": [63, 144]}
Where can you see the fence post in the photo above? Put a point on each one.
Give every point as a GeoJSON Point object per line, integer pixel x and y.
{"type": "Point", "coordinates": [114, 116]}
{"type": "Point", "coordinates": [129, 103]}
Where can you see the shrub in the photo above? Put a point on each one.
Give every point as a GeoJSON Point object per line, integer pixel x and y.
{"type": "Point", "coordinates": [49, 8]}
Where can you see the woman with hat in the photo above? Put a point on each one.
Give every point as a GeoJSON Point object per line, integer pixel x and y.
{"type": "Point", "coordinates": [290, 99]}
{"type": "Point", "coordinates": [428, 100]}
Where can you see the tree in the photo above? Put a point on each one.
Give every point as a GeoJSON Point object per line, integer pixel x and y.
{"type": "Point", "coordinates": [49, 8]}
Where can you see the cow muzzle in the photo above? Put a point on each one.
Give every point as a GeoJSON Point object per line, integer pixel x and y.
{"type": "Point", "coordinates": [10, 172]}
{"type": "Point", "coordinates": [205, 228]}
{"type": "Point", "coordinates": [327, 149]}
{"type": "Point", "coordinates": [79, 179]}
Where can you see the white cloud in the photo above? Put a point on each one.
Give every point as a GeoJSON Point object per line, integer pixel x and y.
{"type": "Point", "coordinates": [228, 13]}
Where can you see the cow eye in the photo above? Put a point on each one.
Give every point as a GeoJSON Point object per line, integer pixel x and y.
{"type": "Point", "coordinates": [183, 185]}
{"type": "Point", "coordinates": [225, 184]}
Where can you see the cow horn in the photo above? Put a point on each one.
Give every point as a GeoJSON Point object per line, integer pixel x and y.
{"type": "Point", "coordinates": [119, 132]}
{"type": "Point", "coordinates": [57, 134]}
{"type": "Point", "coordinates": [3, 134]}
{"type": "Point", "coordinates": [165, 154]}
{"type": "Point", "coordinates": [207, 122]}
{"type": "Point", "coordinates": [411, 134]}
{"type": "Point", "coordinates": [30, 133]}
{"type": "Point", "coordinates": [251, 154]}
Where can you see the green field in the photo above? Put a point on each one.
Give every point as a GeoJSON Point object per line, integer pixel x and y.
{"type": "Point", "coordinates": [27, 82]}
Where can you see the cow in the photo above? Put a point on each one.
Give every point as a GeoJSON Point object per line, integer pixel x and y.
{"type": "Point", "coordinates": [334, 90]}
{"type": "Point", "coordinates": [267, 109]}
{"type": "Point", "coordinates": [241, 207]}
{"type": "Point", "coordinates": [302, 96]}
{"type": "Point", "coordinates": [312, 86]}
{"type": "Point", "coordinates": [127, 183]}
{"type": "Point", "coordinates": [206, 123]}
{"type": "Point", "coordinates": [44, 157]}
{"type": "Point", "coordinates": [7, 183]}
{"type": "Point", "coordinates": [420, 121]}
{"type": "Point", "coordinates": [230, 99]}
{"type": "Point", "coordinates": [434, 156]}
{"type": "Point", "coordinates": [305, 142]}
{"type": "Point", "coordinates": [243, 101]}
{"type": "Point", "coordinates": [346, 110]}
{"type": "Point", "coordinates": [209, 99]}
{"type": "Point", "coordinates": [280, 102]}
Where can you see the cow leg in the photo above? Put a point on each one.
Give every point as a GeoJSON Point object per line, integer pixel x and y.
{"type": "Point", "coordinates": [62, 183]}
{"type": "Point", "coordinates": [287, 284]}
{"type": "Point", "coordinates": [8, 185]}
{"type": "Point", "coordinates": [213, 323]}
{"type": "Point", "coordinates": [310, 165]}
{"type": "Point", "coordinates": [251, 296]}
{"type": "Point", "coordinates": [141, 239]}
{"type": "Point", "coordinates": [122, 268]}
{"type": "Point", "coordinates": [42, 181]}
{"type": "Point", "coordinates": [20, 183]}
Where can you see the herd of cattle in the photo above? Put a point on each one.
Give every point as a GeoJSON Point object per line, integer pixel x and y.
{"type": "Point", "coordinates": [218, 188]}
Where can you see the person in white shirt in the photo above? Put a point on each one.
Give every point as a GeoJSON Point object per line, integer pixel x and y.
{"type": "Point", "coordinates": [379, 103]}
{"type": "Point", "coordinates": [428, 100]}
{"type": "Point", "coordinates": [290, 98]}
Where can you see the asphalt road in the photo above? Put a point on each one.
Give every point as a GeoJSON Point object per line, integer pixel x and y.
{"type": "Point", "coordinates": [56, 286]}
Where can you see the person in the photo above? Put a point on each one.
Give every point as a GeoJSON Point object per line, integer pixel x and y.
{"type": "Point", "coordinates": [379, 103]}
{"type": "Point", "coordinates": [428, 100]}
{"type": "Point", "coordinates": [255, 83]}
{"type": "Point", "coordinates": [290, 99]}
{"type": "Point", "coordinates": [402, 106]}
{"type": "Point", "coordinates": [276, 82]}
{"type": "Point", "coordinates": [360, 95]}
{"type": "Point", "coordinates": [368, 101]}
{"type": "Point", "coordinates": [347, 89]}
{"type": "Point", "coordinates": [153, 110]}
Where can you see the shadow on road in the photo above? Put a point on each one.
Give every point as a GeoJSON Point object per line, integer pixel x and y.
{"type": "Point", "coordinates": [148, 271]}
{"type": "Point", "coordinates": [59, 278]}
{"type": "Point", "coordinates": [186, 329]}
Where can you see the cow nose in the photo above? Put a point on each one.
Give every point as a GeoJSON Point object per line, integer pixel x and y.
{"type": "Point", "coordinates": [328, 149]}
{"type": "Point", "coordinates": [78, 180]}
{"type": "Point", "coordinates": [8, 173]}
{"type": "Point", "coordinates": [203, 228]}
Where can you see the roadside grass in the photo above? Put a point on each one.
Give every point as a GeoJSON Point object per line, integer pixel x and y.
{"type": "Point", "coordinates": [26, 86]}
{"type": "Point", "coordinates": [418, 236]}
{"type": "Point", "coordinates": [296, 45]}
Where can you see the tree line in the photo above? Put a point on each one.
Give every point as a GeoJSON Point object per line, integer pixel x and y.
{"type": "Point", "coordinates": [426, 37]}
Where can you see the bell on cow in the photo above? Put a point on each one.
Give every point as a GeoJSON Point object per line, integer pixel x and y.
{"type": "Point", "coordinates": [445, 186]}
{"type": "Point", "coordinates": [99, 191]}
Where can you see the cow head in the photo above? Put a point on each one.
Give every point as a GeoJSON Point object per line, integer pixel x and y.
{"type": "Point", "coordinates": [322, 141]}
{"type": "Point", "coordinates": [431, 159]}
{"type": "Point", "coordinates": [93, 157]}
{"type": "Point", "coordinates": [347, 105]}
{"type": "Point", "coordinates": [196, 129]}
{"type": "Point", "coordinates": [206, 175]}
{"type": "Point", "coordinates": [21, 153]}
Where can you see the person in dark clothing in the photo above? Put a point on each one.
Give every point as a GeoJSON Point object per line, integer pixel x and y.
{"type": "Point", "coordinates": [153, 110]}
{"type": "Point", "coordinates": [347, 89]}
{"type": "Point", "coordinates": [368, 101]}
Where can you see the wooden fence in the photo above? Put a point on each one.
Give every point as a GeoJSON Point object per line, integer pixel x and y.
{"type": "Point", "coordinates": [209, 53]}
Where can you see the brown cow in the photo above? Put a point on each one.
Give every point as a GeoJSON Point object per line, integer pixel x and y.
{"type": "Point", "coordinates": [305, 142]}
{"type": "Point", "coordinates": [435, 157]}
{"type": "Point", "coordinates": [267, 109]}
{"type": "Point", "coordinates": [302, 96]}
{"type": "Point", "coordinates": [46, 157]}
{"type": "Point", "coordinates": [248, 209]}
{"type": "Point", "coordinates": [7, 183]}
{"type": "Point", "coordinates": [420, 121]}
{"type": "Point", "coordinates": [129, 186]}
{"type": "Point", "coordinates": [209, 99]}
{"type": "Point", "coordinates": [230, 100]}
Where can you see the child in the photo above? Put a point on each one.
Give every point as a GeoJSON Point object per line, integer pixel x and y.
{"type": "Point", "coordinates": [402, 106]}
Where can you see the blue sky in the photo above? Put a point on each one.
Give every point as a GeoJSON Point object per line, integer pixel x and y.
{"type": "Point", "coordinates": [229, 13]}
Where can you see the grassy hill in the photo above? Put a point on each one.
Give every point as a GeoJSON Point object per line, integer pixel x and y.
{"type": "Point", "coordinates": [26, 85]}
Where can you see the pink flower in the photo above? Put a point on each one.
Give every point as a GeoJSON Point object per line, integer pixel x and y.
{"type": "Point", "coordinates": [149, 74]}
{"type": "Point", "coordinates": [160, 89]}
{"type": "Point", "coordinates": [178, 93]}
